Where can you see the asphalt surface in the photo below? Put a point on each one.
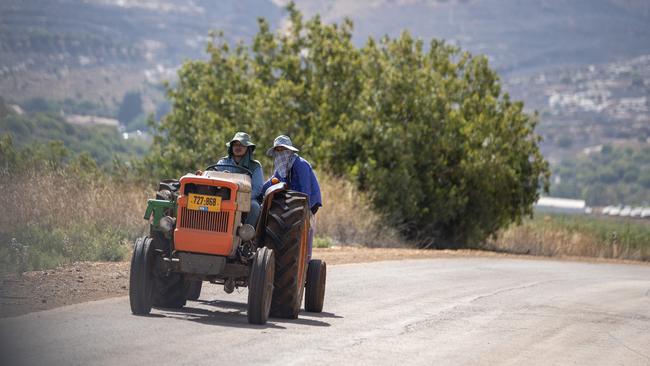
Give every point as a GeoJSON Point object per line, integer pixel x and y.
{"type": "Point", "coordinates": [441, 311]}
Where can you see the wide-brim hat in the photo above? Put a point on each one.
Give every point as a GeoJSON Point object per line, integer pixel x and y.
{"type": "Point", "coordinates": [243, 139]}
{"type": "Point", "coordinates": [283, 141]}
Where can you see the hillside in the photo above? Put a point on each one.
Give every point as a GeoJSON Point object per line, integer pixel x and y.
{"type": "Point", "coordinates": [113, 46]}
{"type": "Point", "coordinates": [98, 50]}
{"type": "Point", "coordinates": [103, 143]}
{"type": "Point", "coordinates": [583, 108]}
{"type": "Point", "coordinates": [518, 35]}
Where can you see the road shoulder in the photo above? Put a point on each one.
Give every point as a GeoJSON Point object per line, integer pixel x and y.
{"type": "Point", "coordinates": [89, 281]}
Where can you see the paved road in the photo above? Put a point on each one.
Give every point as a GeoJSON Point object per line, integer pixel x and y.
{"type": "Point", "coordinates": [442, 311]}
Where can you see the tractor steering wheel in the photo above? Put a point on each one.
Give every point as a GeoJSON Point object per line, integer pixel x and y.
{"type": "Point", "coordinates": [215, 166]}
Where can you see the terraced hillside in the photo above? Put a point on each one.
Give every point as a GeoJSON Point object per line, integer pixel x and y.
{"type": "Point", "coordinates": [100, 49]}
{"type": "Point", "coordinates": [518, 35]}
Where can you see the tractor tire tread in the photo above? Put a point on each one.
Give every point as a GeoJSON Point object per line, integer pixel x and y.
{"type": "Point", "coordinates": [141, 277]}
{"type": "Point", "coordinates": [315, 286]}
{"type": "Point", "coordinates": [284, 227]}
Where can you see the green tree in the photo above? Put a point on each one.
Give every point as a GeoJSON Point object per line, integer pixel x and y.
{"type": "Point", "coordinates": [4, 109]}
{"type": "Point", "coordinates": [8, 156]}
{"type": "Point", "coordinates": [612, 177]}
{"type": "Point", "coordinates": [424, 128]}
{"type": "Point", "coordinates": [130, 108]}
{"type": "Point", "coordinates": [644, 179]}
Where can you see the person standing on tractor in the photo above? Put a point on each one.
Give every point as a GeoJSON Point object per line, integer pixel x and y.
{"type": "Point", "coordinates": [298, 174]}
{"type": "Point", "coordinates": [240, 154]}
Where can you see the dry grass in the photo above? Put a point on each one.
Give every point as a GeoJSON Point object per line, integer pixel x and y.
{"type": "Point", "coordinates": [53, 218]}
{"type": "Point", "coordinates": [596, 237]}
{"type": "Point", "coordinates": [53, 198]}
{"type": "Point", "coordinates": [347, 217]}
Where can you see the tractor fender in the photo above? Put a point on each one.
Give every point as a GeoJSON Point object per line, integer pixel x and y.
{"type": "Point", "coordinates": [266, 204]}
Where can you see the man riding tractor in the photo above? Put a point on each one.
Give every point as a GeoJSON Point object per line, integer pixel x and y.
{"type": "Point", "coordinates": [201, 231]}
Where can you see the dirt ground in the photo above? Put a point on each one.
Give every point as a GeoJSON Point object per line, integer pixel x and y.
{"type": "Point", "coordinates": [88, 281]}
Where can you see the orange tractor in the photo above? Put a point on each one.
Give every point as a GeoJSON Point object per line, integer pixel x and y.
{"type": "Point", "coordinates": [197, 235]}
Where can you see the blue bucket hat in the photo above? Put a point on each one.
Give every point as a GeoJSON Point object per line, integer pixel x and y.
{"type": "Point", "coordinates": [284, 141]}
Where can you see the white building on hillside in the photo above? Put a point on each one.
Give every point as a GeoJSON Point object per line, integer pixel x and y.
{"type": "Point", "coordinates": [561, 205]}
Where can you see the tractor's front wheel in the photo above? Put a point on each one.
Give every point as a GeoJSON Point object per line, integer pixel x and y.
{"type": "Point", "coordinates": [315, 286]}
{"type": "Point", "coordinates": [260, 286]}
{"type": "Point", "coordinates": [141, 277]}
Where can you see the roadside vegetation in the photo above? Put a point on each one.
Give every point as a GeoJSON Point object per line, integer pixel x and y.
{"type": "Point", "coordinates": [584, 236]}
{"type": "Point", "coordinates": [349, 218]}
{"type": "Point", "coordinates": [61, 207]}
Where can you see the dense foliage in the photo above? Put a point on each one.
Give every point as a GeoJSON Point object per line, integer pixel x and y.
{"type": "Point", "coordinates": [610, 177]}
{"type": "Point", "coordinates": [425, 129]}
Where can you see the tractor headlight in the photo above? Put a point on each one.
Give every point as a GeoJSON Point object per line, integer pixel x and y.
{"type": "Point", "coordinates": [246, 232]}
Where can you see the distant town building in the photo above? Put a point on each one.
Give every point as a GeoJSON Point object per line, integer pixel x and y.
{"type": "Point", "coordinates": [91, 120]}
{"type": "Point", "coordinates": [561, 205]}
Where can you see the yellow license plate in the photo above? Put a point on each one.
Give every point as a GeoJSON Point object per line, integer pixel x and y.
{"type": "Point", "coordinates": [202, 202]}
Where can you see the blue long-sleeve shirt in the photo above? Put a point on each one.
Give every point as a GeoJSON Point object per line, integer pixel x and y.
{"type": "Point", "coordinates": [257, 179]}
{"type": "Point", "coordinates": [303, 179]}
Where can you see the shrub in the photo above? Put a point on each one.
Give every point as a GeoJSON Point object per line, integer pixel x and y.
{"type": "Point", "coordinates": [322, 242]}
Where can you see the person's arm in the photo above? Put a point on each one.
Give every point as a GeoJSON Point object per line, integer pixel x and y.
{"type": "Point", "coordinates": [269, 182]}
{"type": "Point", "coordinates": [266, 185]}
{"type": "Point", "coordinates": [308, 184]}
{"type": "Point", "coordinates": [315, 198]}
{"type": "Point", "coordinates": [257, 182]}
{"type": "Point", "coordinates": [300, 176]}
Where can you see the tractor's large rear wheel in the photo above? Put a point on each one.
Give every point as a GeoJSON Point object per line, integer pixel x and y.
{"type": "Point", "coordinates": [141, 277]}
{"type": "Point", "coordinates": [315, 286]}
{"type": "Point", "coordinates": [260, 286]}
{"type": "Point", "coordinates": [286, 233]}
